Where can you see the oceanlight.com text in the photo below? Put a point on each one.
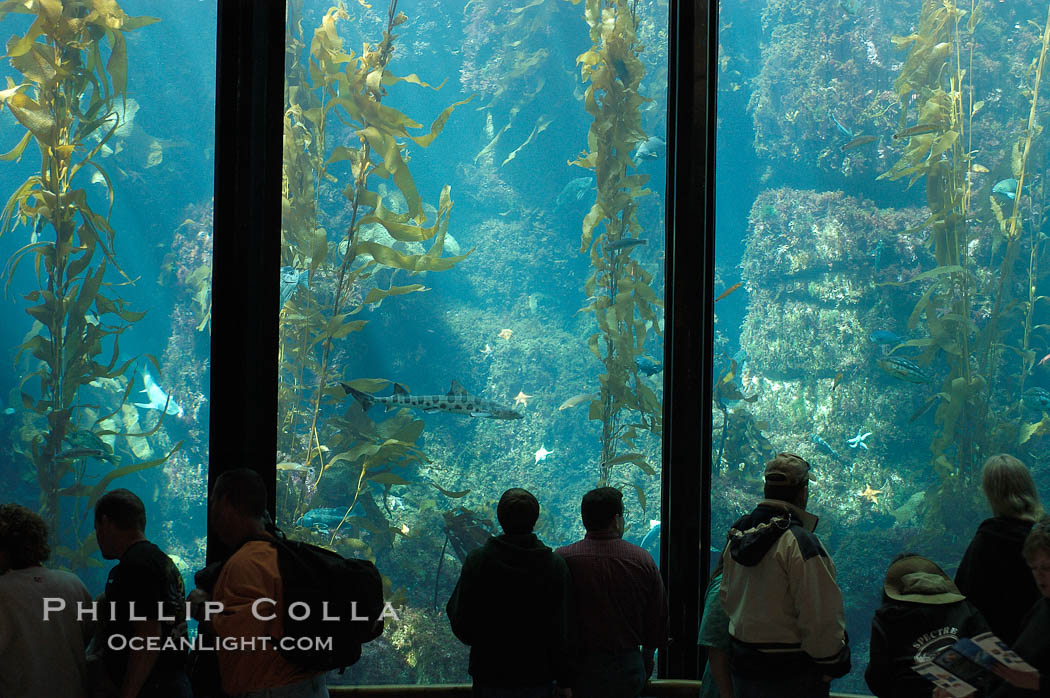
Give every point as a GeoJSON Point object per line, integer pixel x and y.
{"type": "Point", "coordinates": [119, 643]}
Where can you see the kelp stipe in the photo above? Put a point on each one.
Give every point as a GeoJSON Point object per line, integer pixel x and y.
{"type": "Point", "coordinates": [71, 100]}
{"type": "Point", "coordinates": [625, 306]}
{"type": "Point", "coordinates": [343, 276]}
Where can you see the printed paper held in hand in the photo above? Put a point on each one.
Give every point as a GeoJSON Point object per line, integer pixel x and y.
{"type": "Point", "coordinates": [965, 667]}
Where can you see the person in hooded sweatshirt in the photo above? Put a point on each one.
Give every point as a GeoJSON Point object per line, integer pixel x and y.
{"type": "Point", "coordinates": [513, 606]}
{"type": "Point", "coordinates": [787, 624]}
{"type": "Point", "coordinates": [993, 574]}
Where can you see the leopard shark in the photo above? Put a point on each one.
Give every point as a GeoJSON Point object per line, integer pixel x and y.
{"type": "Point", "coordinates": [457, 401]}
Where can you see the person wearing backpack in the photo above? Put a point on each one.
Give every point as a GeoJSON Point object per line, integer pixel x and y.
{"type": "Point", "coordinates": [513, 606]}
{"type": "Point", "coordinates": [254, 668]}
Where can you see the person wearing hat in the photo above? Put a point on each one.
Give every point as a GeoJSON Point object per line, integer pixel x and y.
{"type": "Point", "coordinates": [787, 625]}
{"type": "Point", "coordinates": [922, 613]}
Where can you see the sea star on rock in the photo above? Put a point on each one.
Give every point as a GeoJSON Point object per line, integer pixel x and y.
{"type": "Point", "coordinates": [521, 399]}
{"type": "Point", "coordinates": [505, 333]}
{"type": "Point", "coordinates": [870, 494]}
{"type": "Point", "coordinates": [542, 454]}
{"type": "Point", "coordinates": [859, 440]}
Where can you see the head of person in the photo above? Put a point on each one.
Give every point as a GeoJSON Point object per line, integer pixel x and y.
{"type": "Point", "coordinates": [517, 511]}
{"type": "Point", "coordinates": [238, 505]}
{"type": "Point", "coordinates": [23, 538]}
{"type": "Point", "coordinates": [1010, 489]}
{"type": "Point", "coordinates": [787, 479]}
{"type": "Point", "coordinates": [602, 511]}
{"type": "Point", "coordinates": [914, 579]}
{"type": "Point", "coordinates": [1036, 553]}
{"type": "Point", "coordinates": [120, 520]}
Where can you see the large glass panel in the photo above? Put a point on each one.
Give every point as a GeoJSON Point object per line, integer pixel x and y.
{"type": "Point", "coordinates": [882, 241]}
{"type": "Point", "coordinates": [474, 241]}
{"type": "Point", "coordinates": [107, 122]}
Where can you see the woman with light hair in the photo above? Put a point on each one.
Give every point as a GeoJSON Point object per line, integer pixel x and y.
{"type": "Point", "coordinates": [993, 573]}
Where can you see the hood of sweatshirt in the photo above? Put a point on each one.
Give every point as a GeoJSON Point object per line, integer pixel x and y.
{"type": "Point", "coordinates": [752, 536]}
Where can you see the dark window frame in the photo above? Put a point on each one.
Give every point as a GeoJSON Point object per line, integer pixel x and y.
{"type": "Point", "coordinates": [248, 128]}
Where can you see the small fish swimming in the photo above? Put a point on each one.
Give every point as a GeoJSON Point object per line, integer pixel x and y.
{"type": "Point", "coordinates": [457, 401]}
{"type": "Point", "coordinates": [857, 142]}
{"type": "Point", "coordinates": [729, 290]}
{"type": "Point", "coordinates": [902, 368]}
{"type": "Point", "coordinates": [829, 449]}
{"type": "Point", "coordinates": [321, 519]}
{"type": "Point", "coordinates": [884, 337]}
{"type": "Point", "coordinates": [578, 400]}
{"type": "Point", "coordinates": [917, 130]}
{"type": "Point", "coordinates": [651, 149]}
{"type": "Point", "coordinates": [849, 6]}
{"type": "Point", "coordinates": [157, 397]}
{"type": "Point", "coordinates": [625, 244]}
{"type": "Point", "coordinates": [1037, 398]}
{"type": "Point", "coordinates": [1006, 187]}
{"type": "Point", "coordinates": [78, 453]}
{"type": "Point", "coordinates": [292, 278]}
{"type": "Point", "coordinates": [648, 366]}
{"type": "Point", "coordinates": [842, 129]}
{"type": "Point", "coordinates": [575, 190]}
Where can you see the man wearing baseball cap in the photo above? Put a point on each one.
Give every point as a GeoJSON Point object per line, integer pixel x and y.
{"type": "Point", "coordinates": [786, 620]}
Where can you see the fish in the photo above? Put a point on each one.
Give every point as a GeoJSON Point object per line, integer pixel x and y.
{"type": "Point", "coordinates": [82, 438]}
{"type": "Point", "coordinates": [575, 190]}
{"type": "Point", "coordinates": [1006, 187]}
{"type": "Point", "coordinates": [651, 149]}
{"type": "Point", "coordinates": [577, 400]}
{"type": "Point", "coordinates": [917, 130]}
{"type": "Point", "coordinates": [648, 366]}
{"type": "Point", "coordinates": [292, 278]}
{"type": "Point", "coordinates": [729, 290]}
{"type": "Point", "coordinates": [883, 337]}
{"type": "Point", "coordinates": [321, 519]}
{"type": "Point", "coordinates": [625, 244]}
{"type": "Point", "coordinates": [857, 142]}
{"type": "Point", "coordinates": [1037, 398]}
{"type": "Point", "coordinates": [1038, 363]}
{"type": "Point", "coordinates": [457, 401]}
{"type": "Point", "coordinates": [842, 129]}
{"type": "Point", "coordinates": [848, 6]}
{"type": "Point", "coordinates": [836, 380]}
{"type": "Point", "coordinates": [157, 397]}
{"type": "Point", "coordinates": [79, 453]}
{"type": "Point", "coordinates": [902, 368]}
{"type": "Point", "coordinates": [829, 449]}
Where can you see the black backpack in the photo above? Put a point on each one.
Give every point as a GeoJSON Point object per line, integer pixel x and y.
{"type": "Point", "coordinates": [319, 583]}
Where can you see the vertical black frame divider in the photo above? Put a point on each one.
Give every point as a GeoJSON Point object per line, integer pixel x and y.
{"type": "Point", "coordinates": [249, 110]}
{"type": "Point", "coordinates": [686, 472]}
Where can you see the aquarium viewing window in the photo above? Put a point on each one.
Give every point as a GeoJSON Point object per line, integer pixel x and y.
{"type": "Point", "coordinates": [882, 271]}
{"type": "Point", "coordinates": [107, 130]}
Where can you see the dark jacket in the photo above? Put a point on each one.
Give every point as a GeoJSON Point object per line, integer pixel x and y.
{"type": "Point", "coordinates": [904, 634]}
{"type": "Point", "coordinates": [1033, 646]}
{"type": "Point", "coordinates": [995, 578]}
{"type": "Point", "coordinates": [513, 606]}
{"type": "Point", "coordinates": [778, 589]}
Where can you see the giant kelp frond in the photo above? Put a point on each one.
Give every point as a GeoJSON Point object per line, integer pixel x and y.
{"type": "Point", "coordinates": [70, 99]}
{"type": "Point", "coordinates": [336, 83]}
{"type": "Point", "coordinates": [625, 308]}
